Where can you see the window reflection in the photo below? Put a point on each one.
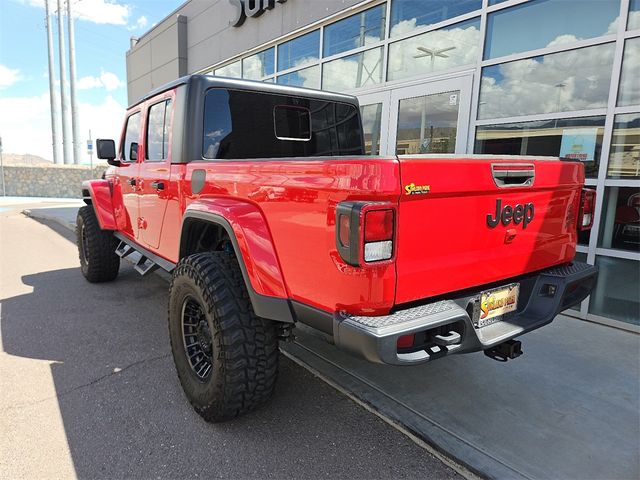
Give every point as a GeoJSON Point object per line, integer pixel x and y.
{"type": "Point", "coordinates": [565, 81]}
{"type": "Point", "coordinates": [433, 51]}
{"type": "Point", "coordinates": [428, 124]}
{"type": "Point", "coordinates": [620, 226]}
{"type": "Point", "coordinates": [356, 31]}
{"type": "Point", "coordinates": [406, 15]}
{"type": "Point", "coordinates": [624, 157]}
{"type": "Point", "coordinates": [616, 293]}
{"type": "Point", "coordinates": [307, 77]}
{"type": "Point", "coordinates": [633, 22]}
{"type": "Point", "coordinates": [303, 49]}
{"type": "Point", "coordinates": [371, 126]}
{"type": "Point", "coordinates": [260, 65]}
{"type": "Point", "coordinates": [545, 23]}
{"type": "Point", "coordinates": [629, 90]}
{"type": "Point", "coordinates": [580, 137]}
{"type": "Point", "coordinates": [355, 71]}
{"type": "Point", "coordinates": [233, 70]}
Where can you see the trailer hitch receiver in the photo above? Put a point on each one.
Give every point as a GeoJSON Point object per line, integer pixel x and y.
{"type": "Point", "coordinates": [505, 351]}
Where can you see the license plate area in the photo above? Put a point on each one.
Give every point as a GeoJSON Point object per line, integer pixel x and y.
{"type": "Point", "coordinates": [494, 304]}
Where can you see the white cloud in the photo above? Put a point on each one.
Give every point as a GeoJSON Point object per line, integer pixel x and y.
{"type": "Point", "coordinates": [107, 80]}
{"type": "Point", "coordinates": [25, 124]}
{"type": "Point", "coordinates": [96, 11]}
{"type": "Point", "coordinates": [140, 24]}
{"type": "Point", "coordinates": [572, 80]}
{"type": "Point", "coordinates": [8, 76]}
{"type": "Point", "coordinates": [433, 51]}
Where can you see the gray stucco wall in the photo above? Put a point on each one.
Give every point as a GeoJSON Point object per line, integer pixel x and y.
{"type": "Point", "coordinates": [198, 34]}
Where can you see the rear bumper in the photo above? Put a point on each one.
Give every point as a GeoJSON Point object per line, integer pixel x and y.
{"type": "Point", "coordinates": [446, 327]}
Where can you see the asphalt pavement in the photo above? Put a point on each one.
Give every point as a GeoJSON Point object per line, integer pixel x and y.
{"type": "Point", "coordinates": [88, 388]}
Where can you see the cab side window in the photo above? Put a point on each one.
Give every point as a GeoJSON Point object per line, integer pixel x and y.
{"type": "Point", "coordinates": [158, 131]}
{"type": "Point", "coordinates": [129, 151]}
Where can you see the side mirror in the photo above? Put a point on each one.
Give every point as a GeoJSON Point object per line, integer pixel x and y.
{"type": "Point", "coordinates": [106, 150]}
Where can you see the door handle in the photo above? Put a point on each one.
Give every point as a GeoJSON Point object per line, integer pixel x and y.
{"type": "Point", "coordinates": [157, 185]}
{"type": "Point", "coordinates": [132, 182]}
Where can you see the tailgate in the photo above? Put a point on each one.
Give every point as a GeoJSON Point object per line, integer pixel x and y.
{"type": "Point", "coordinates": [469, 222]}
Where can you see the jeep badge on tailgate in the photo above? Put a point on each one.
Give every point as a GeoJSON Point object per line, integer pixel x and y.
{"type": "Point", "coordinates": [518, 214]}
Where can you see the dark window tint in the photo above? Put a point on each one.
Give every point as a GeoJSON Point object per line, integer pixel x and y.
{"type": "Point", "coordinates": [292, 123]}
{"type": "Point", "coordinates": [239, 125]}
{"type": "Point", "coordinates": [129, 151]}
{"type": "Point", "coordinates": [158, 131]}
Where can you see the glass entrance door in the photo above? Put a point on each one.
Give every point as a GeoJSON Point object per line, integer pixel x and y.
{"type": "Point", "coordinates": [374, 109]}
{"type": "Point", "coordinates": [430, 118]}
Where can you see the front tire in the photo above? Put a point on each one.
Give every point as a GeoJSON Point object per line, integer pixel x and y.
{"type": "Point", "coordinates": [226, 356]}
{"type": "Point", "coordinates": [96, 248]}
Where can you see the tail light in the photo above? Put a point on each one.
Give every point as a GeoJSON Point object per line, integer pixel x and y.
{"type": "Point", "coordinates": [587, 209]}
{"type": "Point", "coordinates": [365, 232]}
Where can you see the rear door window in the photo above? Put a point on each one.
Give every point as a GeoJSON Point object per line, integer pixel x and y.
{"type": "Point", "coordinates": [241, 124]}
{"type": "Point", "coordinates": [129, 151]}
{"type": "Point", "coordinates": [158, 131]}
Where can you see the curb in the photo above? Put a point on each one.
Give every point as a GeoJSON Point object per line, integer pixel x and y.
{"type": "Point", "coordinates": [37, 214]}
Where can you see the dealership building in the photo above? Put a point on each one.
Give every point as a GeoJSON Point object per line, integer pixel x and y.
{"type": "Point", "coordinates": [515, 77]}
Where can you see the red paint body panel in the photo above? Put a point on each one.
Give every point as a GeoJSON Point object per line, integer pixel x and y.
{"type": "Point", "coordinates": [283, 215]}
{"type": "Point", "coordinates": [100, 192]}
{"type": "Point", "coordinates": [296, 201]}
{"type": "Point", "coordinates": [254, 241]}
{"type": "Point", "coordinates": [445, 243]}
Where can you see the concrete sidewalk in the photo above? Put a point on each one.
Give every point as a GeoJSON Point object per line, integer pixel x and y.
{"type": "Point", "coordinates": [569, 408]}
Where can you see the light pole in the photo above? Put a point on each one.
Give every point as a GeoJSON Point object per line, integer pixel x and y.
{"type": "Point", "coordinates": [75, 129]}
{"type": "Point", "coordinates": [4, 190]}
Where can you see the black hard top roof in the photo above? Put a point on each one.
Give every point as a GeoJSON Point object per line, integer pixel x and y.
{"type": "Point", "coordinates": [204, 82]}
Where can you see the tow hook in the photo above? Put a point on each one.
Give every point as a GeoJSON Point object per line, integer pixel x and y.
{"type": "Point", "coordinates": [505, 351]}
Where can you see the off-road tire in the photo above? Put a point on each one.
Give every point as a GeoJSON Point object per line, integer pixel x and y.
{"type": "Point", "coordinates": [244, 359]}
{"type": "Point", "coordinates": [96, 248]}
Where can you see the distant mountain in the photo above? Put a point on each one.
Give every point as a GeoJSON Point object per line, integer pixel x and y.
{"type": "Point", "coordinates": [15, 159]}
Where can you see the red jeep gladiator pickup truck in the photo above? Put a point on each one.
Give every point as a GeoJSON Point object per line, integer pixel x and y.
{"type": "Point", "coordinates": [259, 200]}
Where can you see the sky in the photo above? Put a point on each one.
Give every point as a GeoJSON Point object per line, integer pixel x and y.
{"type": "Point", "coordinates": [103, 29]}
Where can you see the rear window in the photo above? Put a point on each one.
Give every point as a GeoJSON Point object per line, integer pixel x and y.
{"type": "Point", "coordinates": [241, 124]}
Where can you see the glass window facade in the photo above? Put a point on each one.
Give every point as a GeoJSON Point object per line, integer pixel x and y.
{"type": "Point", "coordinates": [616, 294]}
{"type": "Point", "coordinates": [552, 98]}
{"type": "Point", "coordinates": [358, 30]}
{"type": "Point", "coordinates": [233, 70]}
{"type": "Point", "coordinates": [633, 22]}
{"type": "Point", "coordinates": [428, 124]}
{"type": "Point", "coordinates": [558, 82]}
{"type": "Point", "coordinates": [372, 127]}
{"type": "Point", "coordinates": [624, 154]}
{"type": "Point", "coordinates": [307, 77]}
{"type": "Point", "coordinates": [441, 49]}
{"type": "Point", "coordinates": [620, 227]}
{"type": "Point", "coordinates": [300, 50]}
{"type": "Point", "coordinates": [555, 138]}
{"type": "Point", "coordinates": [355, 71]}
{"type": "Point", "coordinates": [259, 65]}
{"type": "Point", "coordinates": [629, 92]}
{"type": "Point", "coordinates": [406, 15]}
{"type": "Point", "coordinates": [546, 23]}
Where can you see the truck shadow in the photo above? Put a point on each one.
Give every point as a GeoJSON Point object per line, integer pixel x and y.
{"type": "Point", "coordinates": [124, 412]}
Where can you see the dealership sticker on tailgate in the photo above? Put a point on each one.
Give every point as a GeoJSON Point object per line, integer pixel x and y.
{"type": "Point", "coordinates": [495, 303]}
